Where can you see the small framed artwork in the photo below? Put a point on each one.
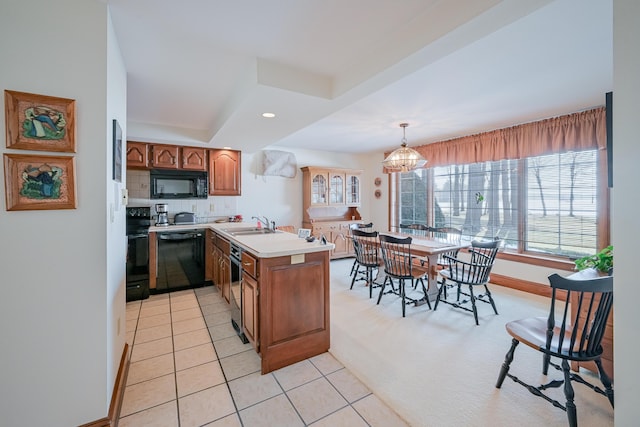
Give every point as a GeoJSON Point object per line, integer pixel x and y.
{"type": "Point", "coordinates": [378, 194]}
{"type": "Point", "coordinates": [377, 181]}
{"type": "Point", "coordinates": [117, 151]}
{"type": "Point", "coordinates": [304, 232]}
{"type": "Point", "coordinates": [40, 122]}
{"type": "Point", "coordinates": [39, 182]}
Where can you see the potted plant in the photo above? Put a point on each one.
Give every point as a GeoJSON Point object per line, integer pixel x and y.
{"type": "Point", "coordinates": [601, 261]}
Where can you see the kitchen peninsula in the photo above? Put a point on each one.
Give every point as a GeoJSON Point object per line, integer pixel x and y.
{"type": "Point", "coordinates": [284, 303]}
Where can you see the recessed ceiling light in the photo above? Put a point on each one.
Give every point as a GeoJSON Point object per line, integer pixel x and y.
{"type": "Point", "coordinates": [268, 115]}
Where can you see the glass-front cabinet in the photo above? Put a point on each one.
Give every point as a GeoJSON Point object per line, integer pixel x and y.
{"type": "Point", "coordinates": [336, 188]}
{"type": "Point", "coordinates": [339, 187]}
{"type": "Point", "coordinates": [319, 188]}
{"type": "Point", "coordinates": [352, 190]}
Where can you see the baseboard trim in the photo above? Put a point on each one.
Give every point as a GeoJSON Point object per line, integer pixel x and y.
{"type": "Point", "coordinates": [526, 286]}
{"type": "Point", "coordinates": [118, 393]}
{"type": "Point", "coordinates": [521, 285]}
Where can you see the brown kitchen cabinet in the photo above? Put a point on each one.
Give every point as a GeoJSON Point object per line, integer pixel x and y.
{"type": "Point", "coordinates": [285, 305]}
{"type": "Point", "coordinates": [224, 172]}
{"type": "Point", "coordinates": [137, 155]}
{"type": "Point", "coordinates": [209, 255]}
{"type": "Point", "coordinates": [193, 158]}
{"type": "Point", "coordinates": [165, 156]}
{"type": "Point", "coordinates": [224, 268]}
{"type": "Point", "coordinates": [293, 311]}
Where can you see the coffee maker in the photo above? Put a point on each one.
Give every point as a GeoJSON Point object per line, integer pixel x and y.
{"type": "Point", "coordinates": [163, 219]}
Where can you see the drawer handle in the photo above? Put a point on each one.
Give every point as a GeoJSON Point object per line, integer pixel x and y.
{"type": "Point", "coordinates": [248, 263]}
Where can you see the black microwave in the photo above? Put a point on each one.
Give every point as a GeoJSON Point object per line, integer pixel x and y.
{"type": "Point", "coordinates": [178, 184]}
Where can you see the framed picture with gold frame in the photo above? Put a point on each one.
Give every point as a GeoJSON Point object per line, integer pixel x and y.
{"type": "Point", "coordinates": [39, 182]}
{"type": "Point", "coordinates": [40, 122]}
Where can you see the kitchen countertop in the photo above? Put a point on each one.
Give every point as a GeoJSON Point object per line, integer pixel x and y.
{"type": "Point", "coordinates": [269, 245]}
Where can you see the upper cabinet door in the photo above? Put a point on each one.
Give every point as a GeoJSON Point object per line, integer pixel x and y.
{"type": "Point", "coordinates": [137, 155]}
{"type": "Point", "coordinates": [319, 189]}
{"type": "Point", "coordinates": [165, 156]}
{"type": "Point", "coordinates": [194, 158]}
{"type": "Point", "coordinates": [352, 192]}
{"type": "Point", "coordinates": [224, 173]}
{"type": "Point", "coordinates": [336, 188]}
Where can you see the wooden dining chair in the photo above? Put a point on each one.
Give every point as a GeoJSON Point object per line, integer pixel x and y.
{"type": "Point", "coordinates": [399, 265]}
{"type": "Point", "coordinates": [573, 335]}
{"type": "Point", "coordinates": [362, 227]}
{"type": "Point", "coordinates": [367, 250]}
{"type": "Point", "coordinates": [470, 274]}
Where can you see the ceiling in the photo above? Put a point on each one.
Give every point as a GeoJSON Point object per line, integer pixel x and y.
{"type": "Point", "coordinates": [341, 75]}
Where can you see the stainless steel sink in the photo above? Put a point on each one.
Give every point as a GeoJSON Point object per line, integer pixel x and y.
{"type": "Point", "coordinates": [247, 231]}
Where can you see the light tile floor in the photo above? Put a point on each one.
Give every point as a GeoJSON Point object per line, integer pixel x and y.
{"type": "Point", "coordinates": [188, 368]}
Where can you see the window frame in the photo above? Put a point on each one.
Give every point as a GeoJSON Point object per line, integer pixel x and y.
{"type": "Point", "coordinates": [519, 254]}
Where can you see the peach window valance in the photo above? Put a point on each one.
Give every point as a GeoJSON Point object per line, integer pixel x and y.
{"type": "Point", "coordinates": [573, 132]}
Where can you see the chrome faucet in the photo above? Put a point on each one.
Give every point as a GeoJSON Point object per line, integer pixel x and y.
{"type": "Point", "coordinates": [265, 221]}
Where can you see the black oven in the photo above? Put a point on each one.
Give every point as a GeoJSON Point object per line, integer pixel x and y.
{"type": "Point", "coordinates": [137, 271]}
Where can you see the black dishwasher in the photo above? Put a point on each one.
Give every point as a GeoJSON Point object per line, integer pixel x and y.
{"type": "Point", "coordinates": [180, 260]}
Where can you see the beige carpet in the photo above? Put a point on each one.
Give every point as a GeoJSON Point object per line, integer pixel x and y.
{"type": "Point", "coordinates": [437, 368]}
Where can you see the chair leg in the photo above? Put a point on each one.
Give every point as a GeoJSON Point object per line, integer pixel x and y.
{"type": "Point", "coordinates": [402, 295]}
{"type": "Point", "coordinates": [424, 290]}
{"type": "Point", "coordinates": [353, 267]}
{"type": "Point", "coordinates": [493, 304]}
{"type": "Point", "coordinates": [353, 280]}
{"type": "Point", "coordinates": [435, 306]}
{"type": "Point", "coordinates": [473, 304]}
{"type": "Point", "coordinates": [384, 284]}
{"type": "Point", "coordinates": [546, 359]}
{"type": "Point", "coordinates": [569, 394]}
{"type": "Point", "coordinates": [370, 281]}
{"type": "Point", "coordinates": [508, 358]}
{"type": "Point", "coordinates": [606, 381]}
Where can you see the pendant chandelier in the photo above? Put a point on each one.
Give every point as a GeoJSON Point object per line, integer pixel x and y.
{"type": "Point", "coordinates": [404, 159]}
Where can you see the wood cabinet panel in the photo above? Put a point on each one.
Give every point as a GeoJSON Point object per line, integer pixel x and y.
{"type": "Point", "coordinates": [250, 309]}
{"type": "Point", "coordinates": [165, 156]}
{"type": "Point", "coordinates": [137, 155]}
{"type": "Point", "coordinates": [293, 309]}
{"type": "Point", "coordinates": [336, 232]}
{"type": "Point", "coordinates": [209, 254]}
{"type": "Point", "coordinates": [224, 172]}
{"type": "Point", "coordinates": [194, 158]}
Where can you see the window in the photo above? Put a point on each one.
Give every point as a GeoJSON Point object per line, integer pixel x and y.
{"type": "Point", "coordinates": [544, 205]}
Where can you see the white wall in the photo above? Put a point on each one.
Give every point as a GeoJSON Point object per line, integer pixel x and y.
{"type": "Point", "coordinates": [626, 175]}
{"type": "Point", "coordinates": [280, 199]}
{"type": "Point", "coordinates": [58, 292]}
{"type": "Point", "coordinates": [114, 210]}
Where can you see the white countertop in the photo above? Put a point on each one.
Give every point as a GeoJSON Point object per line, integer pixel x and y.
{"type": "Point", "coordinates": [269, 245]}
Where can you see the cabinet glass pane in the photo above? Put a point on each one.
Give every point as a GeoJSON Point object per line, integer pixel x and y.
{"type": "Point", "coordinates": [336, 195]}
{"type": "Point", "coordinates": [318, 189]}
{"type": "Point", "coordinates": [353, 189]}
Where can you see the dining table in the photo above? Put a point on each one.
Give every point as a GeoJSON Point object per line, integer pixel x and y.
{"type": "Point", "coordinates": [427, 249]}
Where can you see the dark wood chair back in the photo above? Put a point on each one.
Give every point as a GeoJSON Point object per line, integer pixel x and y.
{"type": "Point", "coordinates": [573, 331]}
{"type": "Point", "coordinates": [577, 334]}
{"type": "Point", "coordinates": [396, 254]}
{"type": "Point", "coordinates": [415, 229]}
{"type": "Point", "coordinates": [366, 247]}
